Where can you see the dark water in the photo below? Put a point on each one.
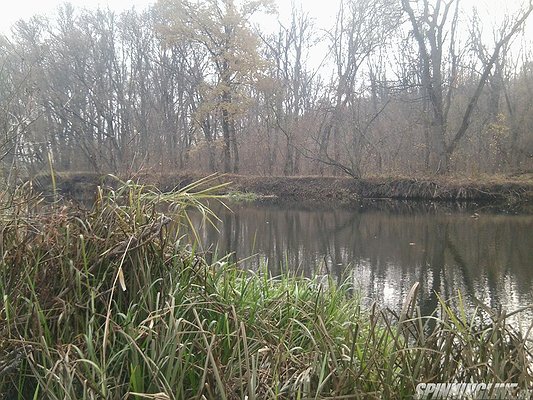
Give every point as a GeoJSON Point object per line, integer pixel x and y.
{"type": "Point", "coordinates": [387, 247]}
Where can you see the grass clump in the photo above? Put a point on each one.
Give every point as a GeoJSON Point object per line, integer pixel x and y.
{"type": "Point", "coordinates": [108, 304]}
{"type": "Point", "coordinates": [242, 197]}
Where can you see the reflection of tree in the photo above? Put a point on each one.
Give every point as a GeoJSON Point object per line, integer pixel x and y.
{"type": "Point", "coordinates": [436, 241]}
{"type": "Point", "coordinates": [294, 229]}
{"type": "Point", "coordinates": [332, 237]}
{"type": "Point", "coordinates": [389, 250]}
{"type": "Point", "coordinates": [466, 278]}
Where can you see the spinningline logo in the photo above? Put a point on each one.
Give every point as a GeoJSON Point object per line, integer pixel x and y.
{"type": "Point", "coordinates": [474, 391]}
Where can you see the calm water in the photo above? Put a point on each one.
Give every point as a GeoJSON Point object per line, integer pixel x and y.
{"type": "Point", "coordinates": [387, 247]}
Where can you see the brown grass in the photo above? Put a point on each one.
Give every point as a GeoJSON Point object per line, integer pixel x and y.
{"type": "Point", "coordinates": [514, 188]}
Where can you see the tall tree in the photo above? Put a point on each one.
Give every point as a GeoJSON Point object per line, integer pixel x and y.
{"type": "Point", "coordinates": [434, 25]}
{"type": "Point", "coordinates": [289, 51]}
{"type": "Point", "coordinates": [223, 29]}
{"type": "Point", "coordinates": [361, 28]}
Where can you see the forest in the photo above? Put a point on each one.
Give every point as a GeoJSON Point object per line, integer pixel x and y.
{"type": "Point", "coordinates": [263, 208]}
{"type": "Point", "coordinates": [392, 88]}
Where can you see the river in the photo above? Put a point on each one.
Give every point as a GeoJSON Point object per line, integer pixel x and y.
{"type": "Point", "coordinates": [386, 246]}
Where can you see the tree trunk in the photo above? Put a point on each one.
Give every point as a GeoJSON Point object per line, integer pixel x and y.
{"type": "Point", "coordinates": [234, 146]}
{"type": "Point", "coordinates": [226, 134]}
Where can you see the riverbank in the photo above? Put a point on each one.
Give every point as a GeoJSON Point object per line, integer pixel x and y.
{"type": "Point", "coordinates": [512, 189]}
{"type": "Point", "coordinates": [110, 303]}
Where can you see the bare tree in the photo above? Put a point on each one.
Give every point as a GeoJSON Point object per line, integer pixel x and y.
{"type": "Point", "coordinates": [222, 28]}
{"type": "Point", "coordinates": [189, 85]}
{"type": "Point", "coordinates": [434, 27]}
{"type": "Point", "coordinates": [361, 28]}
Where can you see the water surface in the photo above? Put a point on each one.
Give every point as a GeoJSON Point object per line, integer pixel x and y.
{"type": "Point", "coordinates": [386, 247]}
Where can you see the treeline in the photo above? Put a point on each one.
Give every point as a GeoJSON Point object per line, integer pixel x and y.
{"type": "Point", "coordinates": [393, 87]}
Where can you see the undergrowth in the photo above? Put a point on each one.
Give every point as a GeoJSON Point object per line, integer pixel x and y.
{"type": "Point", "coordinates": [109, 303]}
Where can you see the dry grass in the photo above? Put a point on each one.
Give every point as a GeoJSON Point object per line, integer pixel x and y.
{"type": "Point", "coordinates": [511, 189]}
{"type": "Point", "coordinates": [107, 303]}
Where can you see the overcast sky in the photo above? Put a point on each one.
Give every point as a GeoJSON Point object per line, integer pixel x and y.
{"type": "Point", "coordinates": [322, 10]}
{"type": "Point", "coordinates": [13, 10]}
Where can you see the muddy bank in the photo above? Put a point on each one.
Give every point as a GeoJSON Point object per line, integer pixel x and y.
{"type": "Point", "coordinates": [500, 189]}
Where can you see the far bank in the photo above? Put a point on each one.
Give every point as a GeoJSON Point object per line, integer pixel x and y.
{"type": "Point", "coordinates": [501, 189]}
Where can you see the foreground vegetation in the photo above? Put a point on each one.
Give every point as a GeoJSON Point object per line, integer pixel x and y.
{"type": "Point", "coordinates": [111, 303]}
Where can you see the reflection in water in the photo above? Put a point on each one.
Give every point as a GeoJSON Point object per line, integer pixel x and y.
{"type": "Point", "coordinates": [386, 250]}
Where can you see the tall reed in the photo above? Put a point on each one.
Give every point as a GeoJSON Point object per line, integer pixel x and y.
{"type": "Point", "coordinates": [109, 303]}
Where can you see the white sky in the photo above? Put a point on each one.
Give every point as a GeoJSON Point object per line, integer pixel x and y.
{"type": "Point", "coordinates": [13, 10]}
{"type": "Point", "coordinates": [322, 10]}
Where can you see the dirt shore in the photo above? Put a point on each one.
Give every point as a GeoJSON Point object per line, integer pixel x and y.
{"type": "Point", "coordinates": [502, 189]}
